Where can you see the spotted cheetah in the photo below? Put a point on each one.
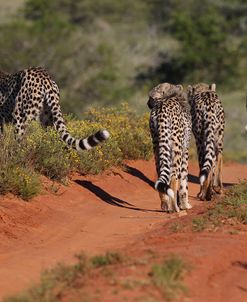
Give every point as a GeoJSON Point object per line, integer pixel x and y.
{"type": "Point", "coordinates": [170, 127]}
{"type": "Point", "coordinates": [31, 94]}
{"type": "Point", "coordinates": [208, 124]}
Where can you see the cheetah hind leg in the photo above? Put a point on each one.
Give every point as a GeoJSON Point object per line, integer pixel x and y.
{"type": "Point", "coordinates": [206, 191]}
{"type": "Point", "coordinates": [165, 202]}
{"type": "Point", "coordinates": [169, 204]}
{"type": "Point", "coordinates": [217, 179]}
{"type": "Point", "coordinates": [174, 201]}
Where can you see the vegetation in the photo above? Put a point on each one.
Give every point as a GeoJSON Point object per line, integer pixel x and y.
{"type": "Point", "coordinates": [62, 281]}
{"type": "Point", "coordinates": [198, 224]}
{"type": "Point", "coordinates": [56, 281]}
{"type": "Point", "coordinates": [168, 276]}
{"type": "Point", "coordinates": [107, 259]}
{"type": "Point", "coordinates": [233, 208]}
{"type": "Point", "coordinates": [41, 151]}
{"type": "Point", "coordinates": [229, 210]}
{"type": "Point", "coordinates": [117, 51]}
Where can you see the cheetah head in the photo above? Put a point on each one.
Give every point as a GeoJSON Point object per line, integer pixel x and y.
{"type": "Point", "coordinates": [163, 91]}
{"type": "Point", "coordinates": [200, 87]}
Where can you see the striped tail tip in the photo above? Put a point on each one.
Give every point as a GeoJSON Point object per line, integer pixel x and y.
{"type": "Point", "coordinates": [203, 177]}
{"type": "Point", "coordinates": [105, 134]}
{"type": "Point", "coordinates": [170, 193]}
{"type": "Point", "coordinates": [92, 140]}
{"type": "Point", "coordinates": [164, 188]}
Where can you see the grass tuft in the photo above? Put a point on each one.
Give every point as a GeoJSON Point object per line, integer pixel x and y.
{"type": "Point", "coordinates": [107, 259]}
{"type": "Point", "coordinates": [198, 224]}
{"type": "Point", "coordinates": [168, 277]}
{"type": "Point", "coordinates": [230, 209]}
{"type": "Point", "coordinates": [176, 227]}
{"type": "Point", "coordinates": [56, 281]}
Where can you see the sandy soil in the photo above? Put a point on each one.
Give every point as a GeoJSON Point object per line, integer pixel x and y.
{"type": "Point", "coordinates": [117, 210]}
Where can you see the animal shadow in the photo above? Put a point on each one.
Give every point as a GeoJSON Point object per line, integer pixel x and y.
{"type": "Point", "coordinates": [137, 173]}
{"type": "Point", "coordinates": [108, 198]}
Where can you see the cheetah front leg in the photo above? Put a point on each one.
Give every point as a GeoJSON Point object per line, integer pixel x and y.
{"type": "Point", "coordinates": [183, 190]}
{"type": "Point", "coordinates": [206, 191]}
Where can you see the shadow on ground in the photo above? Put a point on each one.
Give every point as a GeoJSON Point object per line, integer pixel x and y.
{"type": "Point", "coordinates": [137, 173]}
{"type": "Point", "coordinates": [110, 199]}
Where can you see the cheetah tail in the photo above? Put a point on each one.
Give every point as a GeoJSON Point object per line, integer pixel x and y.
{"type": "Point", "coordinates": [164, 188]}
{"type": "Point", "coordinates": [203, 176]}
{"type": "Point", "coordinates": [85, 143]}
{"type": "Point", "coordinates": [209, 155]}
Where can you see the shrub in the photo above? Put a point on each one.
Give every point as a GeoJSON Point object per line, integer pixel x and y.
{"type": "Point", "coordinates": [41, 151]}
{"type": "Point", "coordinates": [16, 176]}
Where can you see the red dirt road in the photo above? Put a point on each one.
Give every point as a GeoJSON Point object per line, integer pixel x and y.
{"type": "Point", "coordinates": [110, 212]}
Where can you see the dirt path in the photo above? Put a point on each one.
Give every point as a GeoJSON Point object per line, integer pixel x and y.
{"type": "Point", "coordinates": [93, 214]}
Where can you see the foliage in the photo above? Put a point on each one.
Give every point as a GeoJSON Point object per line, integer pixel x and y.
{"type": "Point", "coordinates": [119, 49]}
{"type": "Point", "coordinates": [208, 49]}
{"type": "Point", "coordinates": [17, 175]}
{"type": "Point", "coordinates": [107, 259]}
{"type": "Point", "coordinates": [169, 276]}
{"type": "Point", "coordinates": [201, 34]}
{"type": "Point", "coordinates": [92, 69]}
{"type": "Point", "coordinates": [41, 151]}
{"type": "Point", "coordinates": [64, 281]}
{"type": "Point", "coordinates": [198, 224]}
{"type": "Point", "coordinates": [56, 281]}
{"type": "Point", "coordinates": [231, 209]}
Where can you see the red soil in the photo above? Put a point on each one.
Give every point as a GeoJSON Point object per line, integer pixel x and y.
{"type": "Point", "coordinates": [117, 210]}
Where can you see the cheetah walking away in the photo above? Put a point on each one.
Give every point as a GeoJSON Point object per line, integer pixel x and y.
{"type": "Point", "coordinates": [31, 94]}
{"type": "Point", "coordinates": [170, 126]}
{"type": "Point", "coordinates": [208, 124]}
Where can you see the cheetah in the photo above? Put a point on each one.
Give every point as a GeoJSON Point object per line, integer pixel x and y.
{"type": "Point", "coordinates": [170, 127]}
{"type": "Point", "coordinates": [208, 122]}
{"type": "Point", "coordinates": [31, 94]}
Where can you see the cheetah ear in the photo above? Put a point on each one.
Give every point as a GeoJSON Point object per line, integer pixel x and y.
{"type": "Point", "coordinates": [212, 87]}
{"type": "Point", "coordinates": [190, 89]}
{"type": "Point", "coordinates": [180, 88]}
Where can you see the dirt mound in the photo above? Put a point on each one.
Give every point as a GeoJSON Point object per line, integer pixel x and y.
{"type": "Point", "coordinates": [108, 212]}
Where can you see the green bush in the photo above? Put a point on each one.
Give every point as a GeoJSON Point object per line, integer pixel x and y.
{"type": "Point", "coordinates": [17, 174]}
{"type": "Point", "coordinates": [42, 152]}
